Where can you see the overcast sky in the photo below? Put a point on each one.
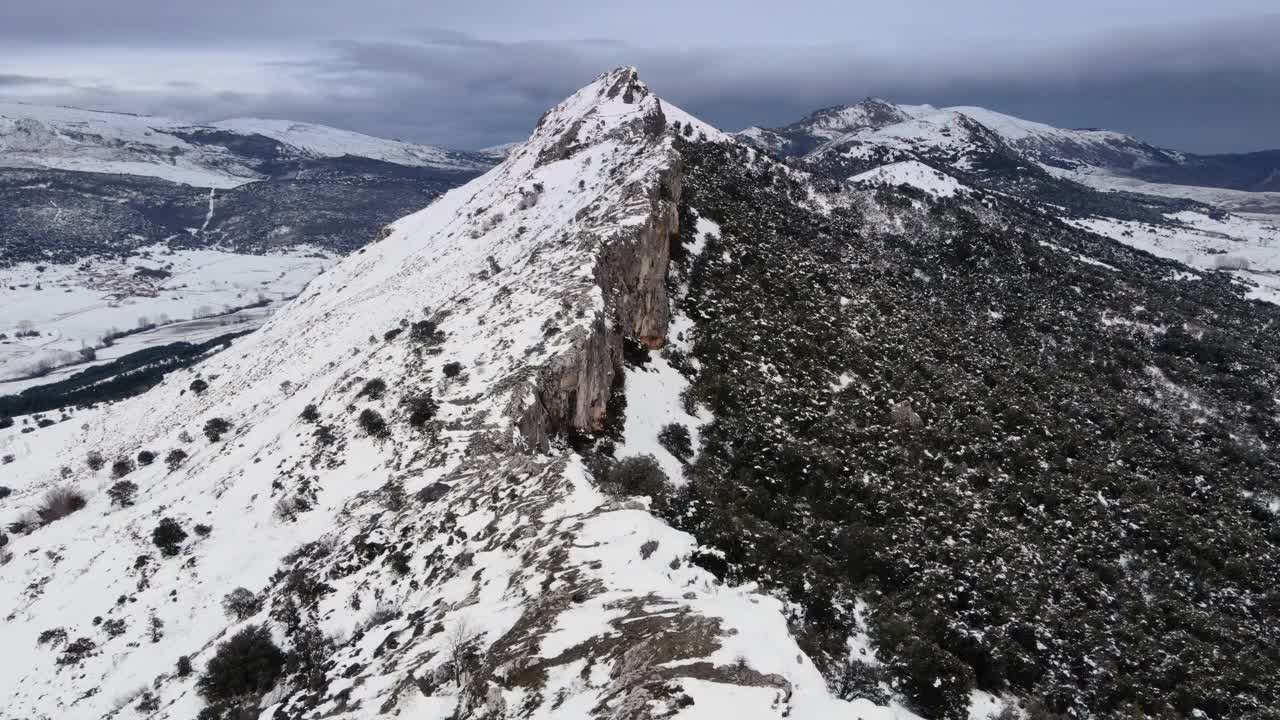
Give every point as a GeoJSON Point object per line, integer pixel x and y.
{"type": "Point", "coordinates": [1190, 74]}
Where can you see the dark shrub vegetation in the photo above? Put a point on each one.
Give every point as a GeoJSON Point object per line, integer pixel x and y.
{"type": "Point", "coordinates": [675, 438]}
{"type": "Point", "coordinates": [59, 503]}
{"type": "Point", "coordinates": [310, 413]}
{"type": "Point", "coordinates": [1019, 490]}
{"type": "Point", "coordinates": [146, 457]}
{"type": "Point", "coordinates": [373, 389]}
{"type": "Point", "coordinates": [168, 536]}
{"type": "Point", "coordinates": [122, 467]}
{"type": "Point", "coordinates": [425, 332]}
{"type": "Point", "coordinates": [372, 423]}
{"type": "Point", "coordinates": [242, 668]}
{"type": "Point", "coordinates": [452, 369]}
{"type": "Point", "coordinates": [422, 408]}
{"type": "Point", "coordinates": [241, 604]}
{"type": "Point", "coordinates": [638, 475]}
{"type": "Point", "coordinates": [215, 428]}
{"type": "Point", "coordinates": [122, 493]}
{"type": "Point", "coordinates": [174, 458]}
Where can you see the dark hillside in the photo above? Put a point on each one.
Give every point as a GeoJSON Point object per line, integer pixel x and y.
{"type": "Point", "coordinates": [1044, 476]}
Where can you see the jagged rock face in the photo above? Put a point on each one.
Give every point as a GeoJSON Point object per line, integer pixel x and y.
{"type": "Point", "coordinates": [420, 542]}
{"type": "Point", "coordinates": [634, 270]}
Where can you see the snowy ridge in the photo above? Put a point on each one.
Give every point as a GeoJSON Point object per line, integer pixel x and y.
{"type": "Point", "coordinates": [323, 141]}
{"type": "Point", "coordinates": [415, 550]}
{"type": "Point", "coordinates": [913, 173]}
{"type": "Point", "coordinates": [62, 138]}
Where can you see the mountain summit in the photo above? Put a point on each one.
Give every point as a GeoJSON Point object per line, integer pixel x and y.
{"type": "Point", "coordinates": [376, 468]}
{"type": "Point", "coordinates": [646, 423]}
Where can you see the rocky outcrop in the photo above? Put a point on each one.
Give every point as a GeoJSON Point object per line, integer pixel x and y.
{"type": "Point", "coordinates": [571, 393]}
{"type": "Point", "coordinates": [633, 270]}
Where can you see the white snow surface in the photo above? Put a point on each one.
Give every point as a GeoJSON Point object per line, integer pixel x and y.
{"type": "Point", "coordinates": [73, 306]}
{"type": "Point", "coordinates": [913, 173]}
{"type": "Point", "coordinates": [64, 138]}
{"type": "Point", "coordinates": [519, 553]}
{"type": "Point", "coordinates": [1248, 248]}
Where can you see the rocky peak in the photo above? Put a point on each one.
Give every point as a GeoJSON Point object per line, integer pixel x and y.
{"type": "Point", "coordinates": [383, 477]}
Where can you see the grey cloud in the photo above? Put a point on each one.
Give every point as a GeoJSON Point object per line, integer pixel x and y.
{"type": "Point", "coordinates": [1205, 88]}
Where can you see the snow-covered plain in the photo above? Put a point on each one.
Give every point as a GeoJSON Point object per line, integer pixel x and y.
{"type": "Point", "coordinates": [1247, 248]}
{"type": "Point", "coordinates": [579, 605]}
{"type": "Point", "coordinates": [74, 306]}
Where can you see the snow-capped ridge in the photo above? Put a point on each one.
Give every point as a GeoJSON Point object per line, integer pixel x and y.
{"type": "Point", "coordinates": [457, 561]}
{"type": "Point", "coordinates": [65, 138]}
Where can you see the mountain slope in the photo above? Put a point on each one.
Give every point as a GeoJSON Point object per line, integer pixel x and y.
{"type": "Point", "coordinates": [1007, 454]}
{"type": "Point", "coordinates": [877, 123]}
{"type": "Point", "coordinates": [94, 197]}
{"type": "Point", "coordinates": [915, 453]}
{"type": "Point", "coordinates": [220, 155]}
{"type": "Point", "coordinates": [439, 565]}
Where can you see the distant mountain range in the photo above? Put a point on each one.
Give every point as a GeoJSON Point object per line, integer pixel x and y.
{"type": "Point", "coordinates": [873, 124]}
{"type": "Point", "coordinates": [75, 183]}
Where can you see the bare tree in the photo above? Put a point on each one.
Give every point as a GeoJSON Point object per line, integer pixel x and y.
{"type": "Point", "coordinates": [458, 642]}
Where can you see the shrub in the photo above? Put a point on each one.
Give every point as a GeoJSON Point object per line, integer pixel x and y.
{"type": "Point", "coordinates": [675, 438]}
{"type": "Point", "coordinates": [122, 493]}
{"type": "Point", "coordinates": [77, 650]}
{"type": "Point", "coordinates": [175, 458]}
{"type": "Point", "coordinates": [184, 666]}
{"type": "Point", "coordinates": [860, 679]}
{"type": "Point", "coordinates": [214, 429]}
{"type": "Point", "coordinates": [425, 333]}
{"type": "Point", "coordinates": [246, 665]}
{"type": "Point", "coordinates": [203, 530]}
{"type": "Point", "coordinates": [648, 549]}
{"type": "Point", "coordinates": [198, 386]}
{"type": "Point", "coordinates": [422, 408]}
{"type": "Point", "coordinates": [146, 457]}
{"type": "Point", "coordinates": [373, 389]}
{"type": "Point", "coordinates": [59, 503]}
{"type": "Point", "coordinates": [168, 536]}
{"type": "Point", "coordinates": [935, 682]}
{"type": "Point", "coordinates": [241, 604]}
{"type": "Point", "coordinates": [452, 369]}
{"type": "Point", "coordinates": [94, 460]}
{"type": "Point", "coordinates": [372, 423]}
{"type": "Point", "coordinates": [5, 422]}
{"type": "Point", "coordinates": [5, 492]}
{"type": "Point", "coordinates": [310, 413]}
{"type": "Point", "coordinates": [639, 475]}
{"type": "Point", "coordinates": [392, 334]}
{"type": "Point", "coordinates": [121, 467]}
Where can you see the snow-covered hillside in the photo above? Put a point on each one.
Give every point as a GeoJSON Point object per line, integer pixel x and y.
{"type": "Point", "coordinates": [221, 155]}
{"type": "Point", "coordinates": [375, 467]}
{"type": "Point", "coordinates": [52, 312]}
{"type": "Point", "coordinates": [1100, 153]}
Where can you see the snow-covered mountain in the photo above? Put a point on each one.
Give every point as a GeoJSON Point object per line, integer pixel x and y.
{"type": "Point", "coordinates": [878, 123]}
{"type": "Point", "coordinates": [916, 447]}
{"type": "Point", "coordinates": [90, 199]}
{"type": "Point", "coordinates": [216, 155]}
{"type": "Point", "coordinates": [446, 556]}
